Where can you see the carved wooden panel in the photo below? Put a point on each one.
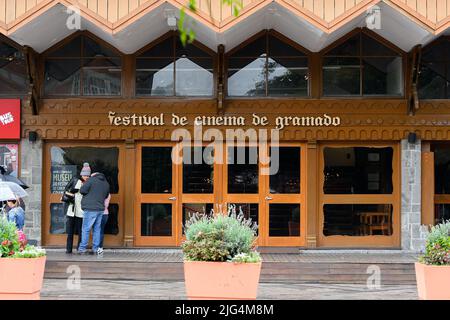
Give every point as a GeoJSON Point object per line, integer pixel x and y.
{"type": "Point", "coordinates": [377, 119]}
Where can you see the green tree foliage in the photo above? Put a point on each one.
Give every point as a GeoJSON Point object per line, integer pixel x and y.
{"type": "Point", "coordinates": [185, 24]}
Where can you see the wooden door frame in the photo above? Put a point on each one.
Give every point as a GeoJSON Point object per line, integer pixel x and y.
{"type": "Point", "coordinates": [49, 198]}
{"type": "Point", "coordinates": [300, 199]}
{"type": "Point", "coordinates": [263, 191]}
{"type": "Point", "coordinates": [150, 241]}
{"type": "Point", "coordinates": [394, 199]}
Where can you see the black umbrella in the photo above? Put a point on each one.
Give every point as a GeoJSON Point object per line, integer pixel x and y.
{"type": "Point", "coordinates": [9, 178]}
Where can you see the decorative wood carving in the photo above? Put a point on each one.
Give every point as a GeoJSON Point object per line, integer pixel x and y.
{"type": "Point", "coordinates": [376, 119]}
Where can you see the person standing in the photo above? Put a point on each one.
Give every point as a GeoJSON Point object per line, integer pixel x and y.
{"type": "Point", "coordinates": [94, 191]}
{"type": "Point", "coordinates": [73, 210]}
{"type": "Point", "coordinates": [104, 221]}
{"type": "Point", "coordinates": [16, 214]}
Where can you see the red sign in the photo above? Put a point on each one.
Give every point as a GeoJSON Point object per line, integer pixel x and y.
{"type": "Point", "coordinates": [9, 118]}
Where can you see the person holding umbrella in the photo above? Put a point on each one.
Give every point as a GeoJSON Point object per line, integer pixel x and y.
{"type": "Point", "coordinates": [10, 192]}
{"type": "Point", "coordinates": [9, 178]}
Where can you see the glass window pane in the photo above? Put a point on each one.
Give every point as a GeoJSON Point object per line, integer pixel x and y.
{"type": "Point", "coordinates": [243, 170]}
{"type": "Point", "coordinates": [68, 50]}
{"type": "Point", "coordinates": [112, 225]}
{"type": "Point", "coordinates": [254, 49]}
{"type": "Point", "coordinates": [246, 77]}
{"type": "Point", "coordinates": [442, 169]}
{"type": "Point", "coordinates": [163, 49]}
{"type": "Point", "coordinates": [357, 219]}
{"type": "Point", "coordinates": [441, 213]}
{"type": "Point", "coordinates": [284, 220]}
{"type": "Point", "coordinates": [57, 218]}
{"type": "Point", "coordinates": [13, 74]}
{"type": "Point", "coordinates": [433, 81]}
{"type": "Point", "coordinates": [7, 52]}
{"type": "Point", "coordinates": [358, 170]}
{"type": "Point", "coordinates": [278, 48]}
{"type": "Point", "coordinates": [62, 77]}
{"type": "Point", "coordinates": [100, 159]}
{"type": "Point", "coordinates": [190, 50]}
{"type": "Point", "coordinates": [383, 76]}
{"type": "Point", "coordinates": [9, 158]}
{"type": "Point", "coordinates": [154, 77]}
{"type": "Point", "coordinates": [94, 49]}
{"type": "Point", "coordinates": [198, 170]}
{"type": "Point", "coordinates": [102, 77]}
{"type": "Point", "coordinates": [287, 77]}
{"type": "Point", "coordinates": [190, 209]}
{"type": "Point", "coordinates": [156, 219]}
{"type": "Point", "coordinates": [438, 52]}
{"type": "Point", "coordinates": [350, 47]}
{"type": "Point", "coordinates": [287, 177]}
{"type": "Point", "coordinates": [341, 76]}
{"type": "Point", "coordinates": [156, 170]}
{"type": "Point", "coordinates": [194, 77]}
{"type": "Point", "coordinates": [372, 47]}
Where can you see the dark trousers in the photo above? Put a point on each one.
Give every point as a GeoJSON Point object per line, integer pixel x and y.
{"type": "Point", "coordinates": [73, 227]}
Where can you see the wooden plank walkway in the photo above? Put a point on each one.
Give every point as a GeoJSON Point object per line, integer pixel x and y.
{"type": "Point", "coordinates": [338, 268]}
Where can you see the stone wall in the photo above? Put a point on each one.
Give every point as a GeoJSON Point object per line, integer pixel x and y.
{"type": "Point", "coordinates": [413, 233]}
{"type": "Point", "coordinates": [31, 174]}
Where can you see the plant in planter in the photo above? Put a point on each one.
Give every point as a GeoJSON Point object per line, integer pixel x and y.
{"type": "Point", "coordinates": [21, 265]}
{"type": "Point", "coordinates": [220, 257]}
{"type": "Point", "coordinates": [433, 268]}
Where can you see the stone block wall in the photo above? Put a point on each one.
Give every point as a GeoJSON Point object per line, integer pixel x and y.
{"type": "Point", "coordinates": [31, 173]}
{"type": "Point", "coordinates": [413, 233]}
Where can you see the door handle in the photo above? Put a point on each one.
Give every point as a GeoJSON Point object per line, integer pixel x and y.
{"type": "Point", "coordinates": [269, 198]}
{"type": "Point", "coordinates": [173, 198]}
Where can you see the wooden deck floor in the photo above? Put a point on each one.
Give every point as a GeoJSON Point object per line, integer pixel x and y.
{"type": "Point", "coordinates": [166, 265]}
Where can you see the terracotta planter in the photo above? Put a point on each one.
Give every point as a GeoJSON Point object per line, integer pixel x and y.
{"type": "Point", "coordinates": [221, 280]}
{"type": "Point", "coordinates": [433, 282]}
{"type": "Point", "coordinates": [21, 279]}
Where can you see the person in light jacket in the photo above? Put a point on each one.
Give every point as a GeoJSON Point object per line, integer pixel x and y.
{"type": "Point", "coordinates": [74, 213]}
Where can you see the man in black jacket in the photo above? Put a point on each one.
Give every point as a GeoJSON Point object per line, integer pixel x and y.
{"type": "Point", "coordinates": [94, 191]}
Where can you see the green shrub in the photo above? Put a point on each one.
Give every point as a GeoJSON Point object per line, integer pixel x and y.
{"type": "Point", "coordinates": [219, 237]}
{"type": "Point", "coordinates": [13, 243]}
{"type": "Point", "coordinates": [437, 249]}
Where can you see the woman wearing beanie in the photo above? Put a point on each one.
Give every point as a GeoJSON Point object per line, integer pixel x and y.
{"type": "Point", "coordinates": [72, 205]}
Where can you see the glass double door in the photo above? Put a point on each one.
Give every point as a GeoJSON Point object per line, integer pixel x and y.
{"type": "Point", "coordinates": [175, 182]}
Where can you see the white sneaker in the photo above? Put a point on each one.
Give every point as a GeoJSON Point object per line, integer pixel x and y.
{"type": "Point", "coordinates": [100, 251]}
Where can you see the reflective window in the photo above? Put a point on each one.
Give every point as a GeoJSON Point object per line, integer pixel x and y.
{"type": "Point", "coordinates": [357, 219]}
{"type": "Point", "coordinates": [434, 79]}
{"type": "Point", "coordinates": [358, 170]}
{"type": "Point", "coordinates": [362, 65]}
{"type": "Point", "coordinates": [112, 225]}
{"type": "Point", "coordinates": [9, 158]}
{"type": "Point", "coordinates": [170, 69]}
{"type": "Point", "coordinates": [441, 169]}
{"type": "Point", "coordinates": [285, 162]}
{"type": "Point", "coordinates": [13, 70]}
{"type": "Point", "coordinates": [243, 170]}
{"type": "Point", "coordinates": [441, 212]}
{"type": "Point", "coordinates": [267, 66]}
{"type": "Point", "coordinates": [83, 67]}
{"type": "Point", "coordinates": [156, 176]}
{"type": "Point", "coordinates": [156, 219]}
{"type": "Point", "coordinates": [198, 170]}
{"type": "Point", "coordinates": [284, 220]}
{"type": "Point", "coordinates": [67, 162]}
{"type": "Point", "coordinates": [57, 218]}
